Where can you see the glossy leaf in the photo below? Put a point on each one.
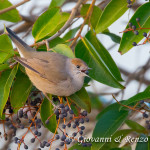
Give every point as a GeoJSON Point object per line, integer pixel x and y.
{"type": "Point", "coordinates": [49, 23]}
{"type": "Point", "coordinates": [6, 49]}
{"type": "Point", "coordinates": [81, 98]}
{"type": "Point", "coordinates": [79, 147]}
{"type": "Point", "coordinates": [52, 44]}
{"type": "Point", "coordinates": [56, 3]}
{"type": "Point", "coordinates": [96, 56]}
{"type": "Point", "coordinates": [138, 97]}
{"type": "Point", "coordinates": [70, 34]}
{"type": "Point", "coordinates": [117, 138]}
{"type": "Point", "coordinates": [96, 14]}
{"type": "Point", "coordinates": [141, 145]}
{"type": "Point", "coordinates": [109, 121]}
{"type": "Point", "coordinates": [128, 38]}
{"type": "Point", "coordinates": [113, 11]}
{"type": "Point", "coordinates": [6, 80]}
{"type": "Point", "coordinates": [20, 90]}
{"type": "Point", "coordinates": [12, 15]}
{"type": "Point", "coordinates": [115, 38]}
{"type": "Point", "coordinates": [46, 111]}
{"type": "Point", "coordinates": [64, 50]}
{"type": "Point", "coordinates": [135, 126]}
{"type": "Point", "coordinates": [4, 67]}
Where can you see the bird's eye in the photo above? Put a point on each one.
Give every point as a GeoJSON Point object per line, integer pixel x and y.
{"type": "Point", "coordinates": [78, 66]}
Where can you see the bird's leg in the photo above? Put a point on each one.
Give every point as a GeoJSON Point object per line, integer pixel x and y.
{"type": "Point", "coordinates": [50, 101]}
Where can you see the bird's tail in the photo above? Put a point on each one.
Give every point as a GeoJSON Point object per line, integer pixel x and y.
{"type": "Point", "coordinates": [23, 48]}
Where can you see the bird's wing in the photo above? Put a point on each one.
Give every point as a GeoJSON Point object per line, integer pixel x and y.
{"type": "Point", "coordinates": [51, 69]}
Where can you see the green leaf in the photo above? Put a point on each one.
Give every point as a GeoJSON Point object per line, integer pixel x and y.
{"type": "Point", "coordinates": [20, 90]}
{"type": "Point", "coordinates": [109, 121]}
{"type": "Point", "coordinates": [138, 97]}
{"type": "Point", "coordinates": [128, 38]}
{"type": "Point", "coordinates": [4, 67]}
{"type": "Point", "coordinates": [117, 138]}
{"type": "Point", "coordinates": [96, 14]}
{"type": "Point", "coordinates": [6, 80]}
{"type": "Point", "coordinates": [6, 49]}
{"type": "Point", "coordinates": [46, 111]}
{"type": "Point", "coordinates": [81, 98]}
{"type": "Point", "coordinates": [56, 3]}
{"type": "Point", "coordinates": [141, 145]}
{"type": "Point", "coordinates": [113, 11]}
{"type": "Point", "coordinates": [97, 57]}
{"type": "Point", "coordinates": [135, 126]}
{"type": "Point", "coordinates": [12, 15]}
{"type": "Point", "coordinates": [115, 38]}
{"type": "Point", "coordinates": [77, 146]}
{"type": "Point", "coordinates": [70, 34]}
{"type": "Point", "coordinates": [64, 50]}
{"type": "Point", "coordinates": [52, 44]}
{"type": "Point", "coordinates": [49, 23]}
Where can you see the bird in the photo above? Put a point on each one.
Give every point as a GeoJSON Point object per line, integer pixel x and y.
{"type": "Point", "coordinates": [50, 72]}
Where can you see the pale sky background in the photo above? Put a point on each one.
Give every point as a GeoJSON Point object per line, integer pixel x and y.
{"type": "Point", "coordinates": [133, 59]}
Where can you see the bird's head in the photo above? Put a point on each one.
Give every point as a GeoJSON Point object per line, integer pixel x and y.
{"type": "Point", "coordinates": [79, 67]}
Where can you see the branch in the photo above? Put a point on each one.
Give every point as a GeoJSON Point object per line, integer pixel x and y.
{"type": "Point", "coordinates": [72, 15]}
{"type": "Point", "coordinates": [87, 16]}
{"type": "Point", "coordinates": [136, 77]}
{"type": "Point", "coordinates": [13, 7]}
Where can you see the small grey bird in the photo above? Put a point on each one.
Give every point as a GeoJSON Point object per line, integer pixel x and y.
{"type": "Point", "coordinates": [50, 72]}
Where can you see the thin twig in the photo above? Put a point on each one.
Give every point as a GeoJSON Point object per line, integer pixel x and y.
{"type": "Point", "coordinates": [13, 7]}
{"type": "Point", "coordinates": [87, 16]}
{"type": "Point", "coordinates": [72, 15]}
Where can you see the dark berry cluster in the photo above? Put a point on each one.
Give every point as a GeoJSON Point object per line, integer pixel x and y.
{"type": "Point", "coordinates": [129, 3]}
{"type": "Point", "coordinates": [27, 119]}
{"type": "Point", "coordinates": [63, 113]}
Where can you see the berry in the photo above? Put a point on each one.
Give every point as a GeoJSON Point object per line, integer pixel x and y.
{"type": "Point", "coordinates": [82, 127]}
{"type": "Point", "coordinates": [133, 27]}
{"type": "Point", "coordinates": [74, 126]}
{"type": "Point", "coordinates": [144, 34]}
{"type": "Point", "coordinates": [84, 113]}
{"type": "Point", "coordinates": [63, 137]}
{"type": "Point", "coordinates": [84, 144]}
{"type": "Point", "coordinates": [89, 144]}
{"type": "Point", "coordinates": [57, 149]}
{"type": "Point", "coordinates": [138, 19]}
{"type": "Point", "coordinates": [62, 111]}
{"type": "Point", "coordinates": [74, 134]}
{"type": "Point", "coordinates": [41, 145]}
{"type": "Point", "coordinates": [69, 125]}
{"type": "Point", "coordinates": [71, 112]}
{"type": "Point", "coordinates": [129, 6]}
{"type": "Point", "coordinates": [145, 115]}
{"type": "Point", "coordinates": [47, 144]}
{"type": "Point", "coordinates": [20, 113]}
{"type": "Point", "coordinates": [63, 126]}
{"type": "Point", "coordinates": [25, 147]}
{"type": "Point", "coordinates": [134, 43]}
{"type": "Point", "coordinates": [32, 140]}
{"type": "Point", "coordinates": [61, 143]}
{"type": "Point", "coordinates": [39, 134]}
{"type": "Point", "coordinates": [68, 141]}
{"type": "Point", "coordinates": [61, 116]}
{"type": "Point", "coordinates": [6, 119]}
{"type": "Point", "coordinates": [129, 1]}
{"type": "Point", "coordinates": [22, 126]}
{"type": "Point", "coordinates": [136, 32]}
{"type": "Point", "coordinates": [81, 120]}
{"type": "Point", "coordinates": [130, 24]}
{"type": "Point", "coordinates": [38, 121]}
{"type": "Point", "coordinates": [38, 126]}
{"type": "Point", "coordinates": [36, 132]}
{"type": "Point", "coordinates": [57, 136]}
{"type": "Point", "coordinates": [87, 119]}
{"type": "Point", "coordinates": [142, 102]}
{"type": "Point", "coordinates": [56, 112]}
{"type": "Point", "coordinates": [147, 121]}
{"type": "Point", "coordinates": [81, 138]}
{"type": "Point", "coordinates": [81, 132]}
{"type": "Point", "coordinates": [67, 108]}
{"type": "Point", "coordinates": [61, 106]}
